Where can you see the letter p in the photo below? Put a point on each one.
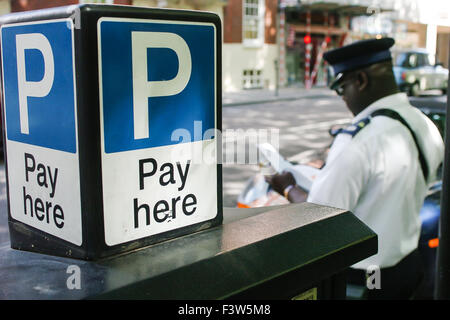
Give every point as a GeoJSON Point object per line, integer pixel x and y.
{"type": "Point", "coordinates": [32, 88]}
{"type": "Point", "coordinates": [144, 89]}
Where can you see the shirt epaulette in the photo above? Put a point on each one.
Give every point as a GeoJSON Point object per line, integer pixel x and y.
{"type": "Point", "coordinates": [353, 129]}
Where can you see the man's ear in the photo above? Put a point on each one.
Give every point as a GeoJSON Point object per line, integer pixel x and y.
{"type": "Point", "coordinates": [363, 80]}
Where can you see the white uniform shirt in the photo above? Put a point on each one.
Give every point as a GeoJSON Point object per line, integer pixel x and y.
{"type": "Point", "coordinates": [377, 176]}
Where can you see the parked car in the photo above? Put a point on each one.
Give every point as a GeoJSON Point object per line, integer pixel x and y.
{"type": "Point", "coordinates": [417, 71]}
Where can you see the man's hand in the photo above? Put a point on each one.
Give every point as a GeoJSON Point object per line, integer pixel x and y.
{"type": "Point", "coordinates": [279, 182]}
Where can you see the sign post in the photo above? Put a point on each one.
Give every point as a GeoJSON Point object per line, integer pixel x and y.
{"type": "Point", "coordinates": [111, 116]}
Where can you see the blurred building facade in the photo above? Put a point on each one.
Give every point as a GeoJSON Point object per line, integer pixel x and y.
{"type": "Point", "coordinates": [275, 43]}
{"type": "Point", "coordinates": [312, 27]}
{"type": "Point", "coordinates": [327, 24]}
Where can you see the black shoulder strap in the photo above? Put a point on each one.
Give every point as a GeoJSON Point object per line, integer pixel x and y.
{"type": "Point", "coordinates": [394, 115]}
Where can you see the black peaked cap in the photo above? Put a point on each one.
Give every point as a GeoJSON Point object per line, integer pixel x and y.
{"type": "Point", "coordinates": [359, 54]}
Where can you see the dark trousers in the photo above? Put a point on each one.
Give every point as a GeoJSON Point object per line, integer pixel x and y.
{"type": "Point", "coordinates": [397, 283]}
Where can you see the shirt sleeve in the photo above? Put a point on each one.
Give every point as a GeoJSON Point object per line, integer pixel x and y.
{"type": "Point", "coordinates": [340, 183]}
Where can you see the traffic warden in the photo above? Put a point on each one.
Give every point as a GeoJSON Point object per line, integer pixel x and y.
{"type": "Point", "coordinates": [379, 168]}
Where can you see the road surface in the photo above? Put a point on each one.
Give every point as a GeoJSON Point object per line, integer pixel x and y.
{"type": "Point", "coordinates": [303, 126]}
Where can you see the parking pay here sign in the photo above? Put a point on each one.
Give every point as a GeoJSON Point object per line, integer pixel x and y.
{"type": "Point", "coordinates": [158, 113]}
{"type": "Point", "coordinates": [41, 127]}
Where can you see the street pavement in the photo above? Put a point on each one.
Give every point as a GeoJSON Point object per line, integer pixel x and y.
{"type": "Point", "coordinates": [302, 118]}
{"type": "Point", "coordinates": [257, 96]}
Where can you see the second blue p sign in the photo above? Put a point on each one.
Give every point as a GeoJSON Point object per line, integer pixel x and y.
{"type": "Point", "coordinates": [158, 77]}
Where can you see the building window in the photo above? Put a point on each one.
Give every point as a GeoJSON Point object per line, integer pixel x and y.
{"type": "Point", "coordinates": [252, 79]}
{"type": "Point", "coordinates": [253, 22]}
